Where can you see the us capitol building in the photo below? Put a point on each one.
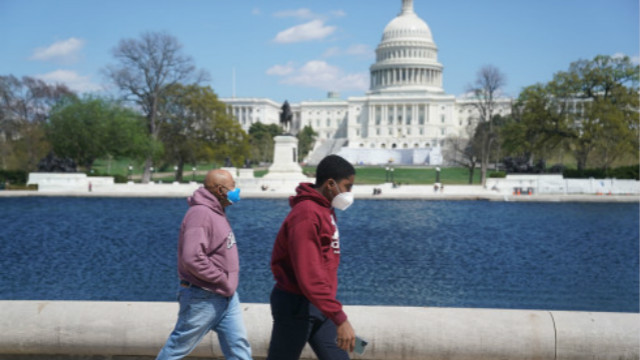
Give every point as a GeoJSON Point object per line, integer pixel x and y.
{"type": "Point", "coordinates": [405, 116]}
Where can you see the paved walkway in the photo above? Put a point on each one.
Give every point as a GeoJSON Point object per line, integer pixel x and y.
{"type": "Point", "coordinates": [387, 192]}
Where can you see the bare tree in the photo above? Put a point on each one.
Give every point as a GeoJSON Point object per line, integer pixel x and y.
{"type": "Point", "coordinates": [146, 68]}
{"type": "Point", "coordinates": [24, 108]}
{"type": "Point", "coordinates": [485, 90]}
{"type": "Point", "coordinates": [462, 151]}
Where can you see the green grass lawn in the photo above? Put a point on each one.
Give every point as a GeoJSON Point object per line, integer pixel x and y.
{"type": "Point", "coordinates": [364, 174]}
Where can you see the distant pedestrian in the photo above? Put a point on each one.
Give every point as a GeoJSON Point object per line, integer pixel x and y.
{"type": "Point", "coordinates": [208, 269]}
{"type": "Point", "coordinates": [304, 262]}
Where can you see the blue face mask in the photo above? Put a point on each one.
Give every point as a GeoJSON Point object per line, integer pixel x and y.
{"type": "Point", "coordinates": [233, 195]}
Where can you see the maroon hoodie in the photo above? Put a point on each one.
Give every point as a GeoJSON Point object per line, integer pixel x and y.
{"type": "Point", "coordinates": [207, 255]}
{"type": "Point", "coordinates": [306, 253]}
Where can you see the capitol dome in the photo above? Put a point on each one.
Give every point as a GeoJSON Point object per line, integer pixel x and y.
{"type": "Point", "coordinates": [407, 57]}
{"type": "Point", "coordinates": [407, 25]}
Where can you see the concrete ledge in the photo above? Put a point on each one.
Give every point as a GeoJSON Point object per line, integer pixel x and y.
{"type": "Point", "coordinates": [50, 329]}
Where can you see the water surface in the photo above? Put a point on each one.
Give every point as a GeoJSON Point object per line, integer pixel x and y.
{"type": "Point", "coordinates": [556, 256]}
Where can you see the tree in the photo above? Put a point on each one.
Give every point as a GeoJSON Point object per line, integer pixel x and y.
{"type": "Point", "coordinates": [485, 90]}
{"type": "Point", "coordinates": [24, 107]}
{"type": "Point", "coordinates": [525, 136]}
{"type": "Point", "coordinates": [146, 68]}
{"type": "Point", "coordinates": [90, 128]}
{"type": "Point", "coordinates": [194, 126]}
{"type": "Point", "coordinates": [463, 151]}
{"type": "Point", "coordinates": [591, 110]}
{"type": "Point", "coordinates": [606, 122]}
{"type": "Point", "coordinates": [261, 141]}
{"type": "Point", "coordinates": [306, 140]}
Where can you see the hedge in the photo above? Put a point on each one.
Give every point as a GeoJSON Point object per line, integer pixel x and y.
{"type": "Point", "coordinates": [623, 172]}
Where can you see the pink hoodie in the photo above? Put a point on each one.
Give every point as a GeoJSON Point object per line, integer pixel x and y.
{"type": "Point", "coordinates": [207, 252]}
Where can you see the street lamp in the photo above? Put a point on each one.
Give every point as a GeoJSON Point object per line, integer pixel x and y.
{"type": "Point", "coordinates": [392, 174]}
{"type": "Point", "coordinates": [386, 172]}
{"type": "Point", "coordinates": [130, 171]}
{"type": "Point", "coordinates": [175, 175]}
{"type": "Point", "coordinates": [193, 177]}
{"type": "Point", "coordinates": [437, 175]}
{"type": "Point", "coordinates": [151, 174]}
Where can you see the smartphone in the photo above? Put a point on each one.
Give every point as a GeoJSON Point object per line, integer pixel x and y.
{"type": "Point", "coordinates": [360, 345]}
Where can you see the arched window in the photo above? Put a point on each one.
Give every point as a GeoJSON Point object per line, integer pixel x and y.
{"type": "Point", "coordinates": [393, 146]}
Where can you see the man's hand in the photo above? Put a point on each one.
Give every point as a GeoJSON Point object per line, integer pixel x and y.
{"type": "Point", "coordinates": [346, 336]}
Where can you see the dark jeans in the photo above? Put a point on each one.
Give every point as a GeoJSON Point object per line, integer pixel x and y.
{"type": "Point", "coordinates": [295, 322]}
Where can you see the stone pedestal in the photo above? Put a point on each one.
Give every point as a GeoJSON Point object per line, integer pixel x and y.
{"type": "Point", "coordinates": [285, 160]}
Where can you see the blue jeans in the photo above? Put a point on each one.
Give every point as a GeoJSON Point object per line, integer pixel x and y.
{"type": "Point", "coordinates": [200, 312]}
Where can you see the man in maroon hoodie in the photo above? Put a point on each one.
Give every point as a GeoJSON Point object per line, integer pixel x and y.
{"type": "Point", "coordinates": [304, 262]}
{"type": "Point", "coordinates": [208, 269]}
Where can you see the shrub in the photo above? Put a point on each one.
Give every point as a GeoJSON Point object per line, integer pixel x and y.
{"type": "Point", "coordinates": [623, 172]}
{"type": "Point", "coordinates": [13, 176]}
{"type": "Point", "coordinates": [497, 174]}
{"type": "Point", "coordinates": [120, 179]}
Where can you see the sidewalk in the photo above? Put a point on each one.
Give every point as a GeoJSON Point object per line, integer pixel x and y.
{"type": "Point", "coordinates": [387, 192]}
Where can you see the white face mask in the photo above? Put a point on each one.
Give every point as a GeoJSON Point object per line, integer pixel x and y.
{"type": "Point", "coordinates": [343, 200]}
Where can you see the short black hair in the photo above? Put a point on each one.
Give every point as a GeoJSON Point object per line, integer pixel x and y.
{"type": "Point", "coordinates": [333, 167]}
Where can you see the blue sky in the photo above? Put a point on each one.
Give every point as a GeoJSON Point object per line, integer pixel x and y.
{"type": "Point", "coordinates": [299, 49]}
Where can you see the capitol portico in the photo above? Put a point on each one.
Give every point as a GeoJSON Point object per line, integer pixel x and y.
{"type": "Point", "coordinates": [405, 116]}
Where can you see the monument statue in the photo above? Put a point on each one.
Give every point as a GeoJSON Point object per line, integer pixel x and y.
{"type": "Point", "coordinates": [286, 117]}
{"type": "Point", "coordinates": [52, 163]}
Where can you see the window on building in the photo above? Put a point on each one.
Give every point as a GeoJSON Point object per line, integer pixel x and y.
{"type": "Point", "coordinates": [328, 122]}
{"type": "Point", "coordinates": [421, 115]}
{"type": "Point", "coordinates": [378, 115]}
{"type": "Point", "coordinates": [442, 118]}
{"type": "Point", "coordinates": [378, 131]}
{"type": "Point", "coordinates": [408, 117]}
{"type": "Point", "coordinates": [442, 131]}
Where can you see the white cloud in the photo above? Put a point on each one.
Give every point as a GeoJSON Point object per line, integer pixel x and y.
{"type": "Point", "coordinates": [313, 30]}
{"type": "Point", "coordinates": [70, 78]}
{"type": "Point", "coordinates": [634, 59]}
{"type": "Point", "coordinates": [256, 11]}
{"type": "Point", "coordinates": [65, 51]}
{"type": "Point", "coordinates": [303, 14]}
{"type": "Point", "coordinates": [338, 13]}
{"type": "Point", "coordinates": [281, 70]}
{"type": "Point", "coordinates": [320, 74]}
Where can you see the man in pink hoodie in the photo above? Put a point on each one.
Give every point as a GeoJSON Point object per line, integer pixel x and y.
{"type": "Point", "coordinates": [208, 269]}
{"type": "Point", "coordinates": [304, 262]}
